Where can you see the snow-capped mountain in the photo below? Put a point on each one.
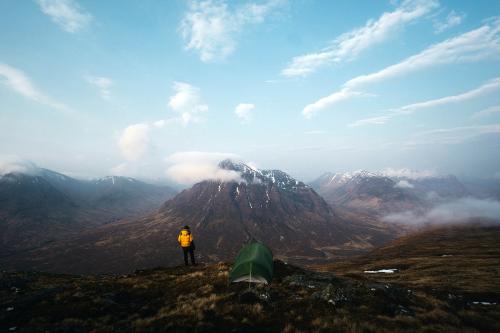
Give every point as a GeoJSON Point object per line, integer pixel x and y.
{"type": "Point", "coordinates": [387, 192]}
{"type": "Point", "coordinates": [266, 205]}
{"type": "Point", "coordinates": [365, 192]}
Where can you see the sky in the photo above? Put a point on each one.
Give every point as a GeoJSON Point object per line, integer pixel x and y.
{"type": "Point", "coordinates": [165, 89]}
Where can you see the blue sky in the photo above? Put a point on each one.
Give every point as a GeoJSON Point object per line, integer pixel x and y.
{"type": "Point", "coordinates": [158, 89]}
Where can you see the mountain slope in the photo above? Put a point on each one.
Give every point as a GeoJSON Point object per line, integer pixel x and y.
{"type": "Point", "coordinates": [44, 206]}
{"type": "Point", "coordinates": [366, 192]}
{"type": "Point", "coordinates": [267, 205]}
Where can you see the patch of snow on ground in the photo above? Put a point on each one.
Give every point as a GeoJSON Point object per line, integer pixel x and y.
{"type": "Point", "coordinates": [386, 271]}
{"type": "Point", "coordinates": [484, 303]}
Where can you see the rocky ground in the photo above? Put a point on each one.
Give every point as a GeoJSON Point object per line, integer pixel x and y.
{"type": "Point", "coordinates": [200, 299]}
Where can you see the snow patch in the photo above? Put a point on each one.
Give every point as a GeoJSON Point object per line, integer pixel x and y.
{"type": "Point", "coordinates": [484, 303]}
{"type": "Point", "coordinates": [386, 271]}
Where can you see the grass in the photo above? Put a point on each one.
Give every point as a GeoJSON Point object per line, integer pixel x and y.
{"type": "Point", "coordinates": [429, 293]}
{"type": "Point", "coordinates": [181, 299]}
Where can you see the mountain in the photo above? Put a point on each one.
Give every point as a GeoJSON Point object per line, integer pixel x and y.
{"type": "Point", "coordinates": [43, 206]}
{"type": "Point", "coordinates": [378, 194]}
{"type": "Point", "coordinates": [266, 205]}
{"type": "Point", "coordinates": [33, 211]}
{"type": "Point", "coordinates": [366, 192]}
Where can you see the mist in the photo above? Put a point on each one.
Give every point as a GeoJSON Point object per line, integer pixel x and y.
{"type": "Point", "coordinates": [462, 210]}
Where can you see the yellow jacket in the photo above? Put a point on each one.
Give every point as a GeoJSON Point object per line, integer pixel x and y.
{"type": "Point", "coordinates": [185, 238]}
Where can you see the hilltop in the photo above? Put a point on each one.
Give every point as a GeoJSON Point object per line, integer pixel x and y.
{"type": "Point", "coordinates": [199, 299]}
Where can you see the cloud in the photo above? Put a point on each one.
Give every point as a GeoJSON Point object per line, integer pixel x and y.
{"type": "Point", "coordinates": [244, 112]}
{"type": "Point", "coordinates": [135, 141]}
{"type": "Point", "coordinates": [18, 81]}
{"type": "Point", "coordinates": [159, 123]}
{"type": "Point", "coordinates": [15, 164]}
{"type": "Point", "coordinates": [452, 20]}
{"type": "Point", "coordinates": [315, 132]}
{"type": "Point", "coordinates": [459, 211]}
{"type": "Point", "coordinates": [454, 135]}
{"type": "Point", "coordinates": [187, 103]}
{"type": "Point", "coordinates": [487, 112]}
{"type": "Point", "coordinates": [122, 169]}
{"type": "Point", "coordinates": [479, 44]}
{"type": "Point", "coordinates": [66, 13]}
{"type": "Point", "coordinates": [194, 166]}
{"type": "Point", "coordinates": [350, 44]}
{"type": "Point", "coordinates": [496, 175]}
{"type": "Point", "coordinates": [485, 89]}
{"type": "Point", "coordinates": [103, 84]}
{"type": "Point", "coordinates": [211, 27]}
{"type": "Point", "coordinates": [408, 173]}
{"type": "Point", "coordinates": [379, 120]}
{"type": "Point", "coordinates": [404, 184]}
{"type": "Point", "coordinates": [330, 100]}
{"type": "Point", "coordinates": [489, 87]}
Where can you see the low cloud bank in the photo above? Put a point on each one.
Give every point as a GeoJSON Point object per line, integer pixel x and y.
{"type": "Point", "coordinates": [14, 164]}
{"type": "Point", "coordinates": [408, 173]}
{"type": "Point", "coordinates": [404, 184]}
{"type": "Point", "coordinates": [458, 211]}
{"type": "Point", "coordinates": [192, 167]}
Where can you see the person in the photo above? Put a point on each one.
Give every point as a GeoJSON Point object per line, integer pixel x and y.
{"type": "Point", "coordinates": [185, 240]}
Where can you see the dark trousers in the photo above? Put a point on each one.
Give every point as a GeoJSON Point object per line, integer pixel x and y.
{"type": "Point", "coordinates": [186, 250]}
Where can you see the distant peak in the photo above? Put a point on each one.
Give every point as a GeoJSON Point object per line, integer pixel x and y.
{"type": "Point", "coordinates": [254, 175]}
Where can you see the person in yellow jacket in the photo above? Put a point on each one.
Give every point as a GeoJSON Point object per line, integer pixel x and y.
{"type": "Point", "coordinates": [185, 240]}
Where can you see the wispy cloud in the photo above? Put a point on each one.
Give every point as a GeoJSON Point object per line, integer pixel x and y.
{"type": "Point", "coordinates": [244, 112]}
{"type": "Point", "coordinates": [452, 20]}
{"type": "Point", "coordinates": [212, 27]}
{"type": "Point", "coordinates": [350, 44]}
{"type": "Point", "coordinates": [330, 100]}
{"type": "Point", "coordinates": [18, 81]}
{"type": "Point", "coordinates": [489, 87]}
{"type": "Point", "coordinates": [315, 132]}
{"type": "Point", "coordinates": [487, 112]}
{"type": "Point", "coordinates": [476, 45]}
{"type": "Point", "coordinates": [66, 13]}
{"type": "Point", "coordinates": [186, 103]}
{"type": "Point", "coordinates": [379, 120]}
{"type": "Point", "coordinates": [453, 135]}
{"type": "Point", "coordinates": [102, 83]}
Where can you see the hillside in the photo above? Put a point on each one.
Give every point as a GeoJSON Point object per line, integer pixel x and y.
{"type": "Point", "coordinates": [199, 299]}
{"type": "Point", "coordinates": [464, 259]}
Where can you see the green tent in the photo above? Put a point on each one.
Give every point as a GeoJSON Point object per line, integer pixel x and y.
{"type": "Point", "coordinates": [254, 263]}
